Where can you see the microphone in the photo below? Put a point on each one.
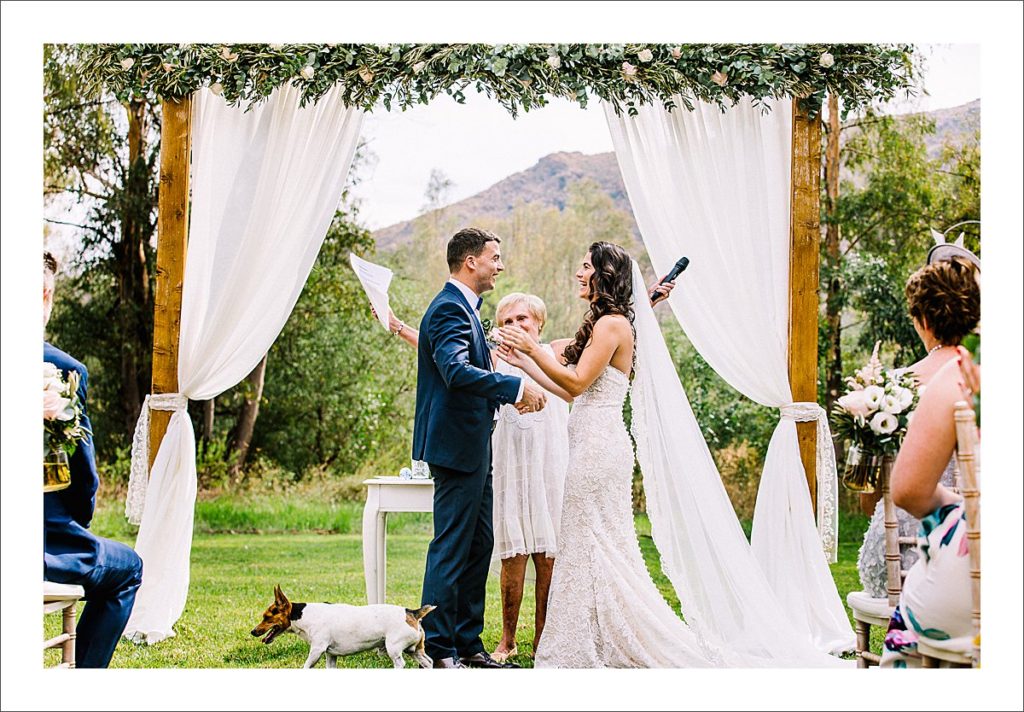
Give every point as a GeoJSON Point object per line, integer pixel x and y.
{"type": "Point", "coordinates": [681, 264]}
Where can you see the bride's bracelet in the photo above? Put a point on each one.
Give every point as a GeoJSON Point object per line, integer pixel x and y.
{"type": "Point", "coordinates": [400, 329]}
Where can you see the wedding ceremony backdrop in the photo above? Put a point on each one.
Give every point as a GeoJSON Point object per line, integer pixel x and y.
{"type": "Point", "coordinates": [719, 149]}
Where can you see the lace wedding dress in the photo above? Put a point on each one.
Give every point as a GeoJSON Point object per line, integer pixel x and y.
{"type": "Point", "coordinates": [603, 609]}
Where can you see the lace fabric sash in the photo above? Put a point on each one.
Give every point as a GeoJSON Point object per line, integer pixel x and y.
{"type": "Point", "coordinates": [826, 475]}
{"type": "Point", "coordinates": [138, 481]}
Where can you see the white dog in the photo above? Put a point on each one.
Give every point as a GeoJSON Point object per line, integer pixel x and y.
{"type": "Point", "coordinates": [339, 629]}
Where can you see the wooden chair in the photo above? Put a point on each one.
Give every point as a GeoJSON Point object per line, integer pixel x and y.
{"type": "Point", "coordinates": [62, 597]}
{"type": "Point", "coordinates": [964, 651]}
{"type": "Point", "coordinates": [870, 611]}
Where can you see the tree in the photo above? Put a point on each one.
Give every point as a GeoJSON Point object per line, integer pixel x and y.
{"type": "Point", "coordinates": [100, 178]}
{"type": "Point", "coordinates": [338, 390]}
{"type": "Point", "coordinates": [892, 194]}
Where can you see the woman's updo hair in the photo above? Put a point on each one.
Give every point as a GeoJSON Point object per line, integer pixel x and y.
{"type": "Point", "coordinates": [945, 297]}
{"type": "Point", "coordinates": [611, 292]}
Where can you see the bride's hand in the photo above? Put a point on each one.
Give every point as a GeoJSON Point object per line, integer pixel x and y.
{"type": "Point", "coordinates": [512, 357]}
{"type": "Point", "coordinates": [516, 338]}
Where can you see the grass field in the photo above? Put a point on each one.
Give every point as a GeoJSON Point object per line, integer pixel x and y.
{"type": "Point", "coordinates": [314, 551]}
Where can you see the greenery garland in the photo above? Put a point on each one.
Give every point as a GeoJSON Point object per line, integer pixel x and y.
{"type": "Point", "coordinates": [518, 76]}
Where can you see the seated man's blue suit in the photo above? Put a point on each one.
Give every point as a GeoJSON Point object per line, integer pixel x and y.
{"type": "Point", "coordinates": [457, 394]}
{"type": "Point", "coordinates": [110, 572]}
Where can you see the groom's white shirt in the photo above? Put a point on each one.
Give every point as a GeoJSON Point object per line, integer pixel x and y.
{"type": "Point", "coordinates": [472, 298]}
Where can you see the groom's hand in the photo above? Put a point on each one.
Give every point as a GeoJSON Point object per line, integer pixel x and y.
{"type": "Point", "coordinates": [533, 399]}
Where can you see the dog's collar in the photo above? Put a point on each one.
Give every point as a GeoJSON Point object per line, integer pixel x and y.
{"type": "Point", "coordinates": [296, 612]}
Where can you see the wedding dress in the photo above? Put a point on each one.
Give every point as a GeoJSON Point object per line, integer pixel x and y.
{"type": "Point", "coordinates": [604, 609]}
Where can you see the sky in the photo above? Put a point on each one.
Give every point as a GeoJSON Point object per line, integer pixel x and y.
{"type": "Point", "coordinates": [478, 143]}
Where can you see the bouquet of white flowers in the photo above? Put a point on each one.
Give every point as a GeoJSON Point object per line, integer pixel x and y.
{"type": "Point", "coordinates": [872, 417]}
{"type": "Point", "coordinates": [62, 426]}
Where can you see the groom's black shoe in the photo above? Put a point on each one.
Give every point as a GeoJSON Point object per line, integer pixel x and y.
{"type": "Point", "coordinates": [444, 663]}
{"type": "Point", "coordinates": [483, 660]}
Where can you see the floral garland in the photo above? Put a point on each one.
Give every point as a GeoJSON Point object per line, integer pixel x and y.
{"type": "Point", "coordinates": [520, 77]}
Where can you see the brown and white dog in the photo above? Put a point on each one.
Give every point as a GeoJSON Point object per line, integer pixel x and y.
{"type": "Point", "coordinates": [340, 629]}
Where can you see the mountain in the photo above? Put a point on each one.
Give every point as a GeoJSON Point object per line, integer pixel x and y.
{"type": "Point", "coordinates": [956, 123]}
{"type": "Point", "coordinates": [546, 183]}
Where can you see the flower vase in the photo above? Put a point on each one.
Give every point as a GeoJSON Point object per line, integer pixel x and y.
{"type": "Point", "coordinates": [861, 471]}
{"type": "Point", "coordinates": [56, 471]}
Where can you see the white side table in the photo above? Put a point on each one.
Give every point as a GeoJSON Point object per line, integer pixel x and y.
{"type": "Point", "coordinates": [384, 495]}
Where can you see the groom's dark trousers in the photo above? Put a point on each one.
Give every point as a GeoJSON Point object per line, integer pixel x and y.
{"type": "Point", "coordinates": [109, 571]}
{"type": "Point", "coordinates": [457, 394]}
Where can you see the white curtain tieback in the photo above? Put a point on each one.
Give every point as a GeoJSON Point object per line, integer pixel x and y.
{"type": "Point", "coordinates": [138, 481]}
{"type": "Point", "coordinates": [826, 476]}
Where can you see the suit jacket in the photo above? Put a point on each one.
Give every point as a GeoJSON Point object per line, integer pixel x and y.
{"type": "Point", "coordinates": [69, 548]}
{"type": "Point", "coordinates": [457, 392]}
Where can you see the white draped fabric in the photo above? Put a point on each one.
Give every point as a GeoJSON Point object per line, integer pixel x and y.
{"type": "Point", "coordinates": [724, 596]}
{"type": "Point", "coordinates": [715, 186]}
{"type": "Point", "coordinates": [265, 186]}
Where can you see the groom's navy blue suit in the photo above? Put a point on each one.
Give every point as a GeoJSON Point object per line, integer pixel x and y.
{"type": "Point", "coordinates": [457, 394]}
{"type": "Point", "coordinates": [109, 571]}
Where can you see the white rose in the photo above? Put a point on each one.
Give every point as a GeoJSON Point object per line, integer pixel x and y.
{"type": "Point", "coordinates": [854, 403]}
{"type": "Point", "coordinates": [227, 55]}
{"type": "Point", "coordinates": [276, 47]}
{"type": "Point", "coordinates": [873, 397]}
{"type": "Point", "coordinates": [826, 60]}
{"type": "Point", "coordinates": [50, 371]}
{"type": "Point", "coordinates": [418, 67]}
{"type": "Point", "coordinates": [217, 88]}
{"type": "Point", "coordinates": [891, 403]}
{"type": "Point", "coordinates": [677, 52]}
{"type": "Point", "coordinates": [645, 55]}
{"type": "Point", "coordinates": [55, 407]}
{"type": "Point", "coordinates": [884, 423]}
{"type": "Point", "coordinates": [307, 72]}
{"type": "Point", "coordinates": [628, 69]}
{"type": "Point", "coordinates": [720, 78]}
{"type": "Point", "coordinates": [554, 62]}
{"type": "Point", "coordinates": [127, 63]}
{"type": "Point", "coordinates": [366, 74]}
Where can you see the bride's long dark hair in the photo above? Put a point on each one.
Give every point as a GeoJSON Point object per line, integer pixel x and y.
{"type": "Point", "coordinates": [611, 292]}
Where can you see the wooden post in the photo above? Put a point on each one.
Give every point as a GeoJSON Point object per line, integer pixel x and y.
{"type": "Point", "coordinates": [172, 238]}
{"type": "Point", "coordinates": [805, 237]}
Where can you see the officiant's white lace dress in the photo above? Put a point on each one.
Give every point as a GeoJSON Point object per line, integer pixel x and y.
{"type": "Point", "coordinates": [530, 456]}
{"type": "Point", "coordinates": [604, 610]}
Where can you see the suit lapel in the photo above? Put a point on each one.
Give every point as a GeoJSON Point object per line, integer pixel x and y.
{"type": "Point", "coordinates": [481, 341]}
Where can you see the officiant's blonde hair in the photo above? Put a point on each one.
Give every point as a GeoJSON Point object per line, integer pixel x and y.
{"type": "Point", "coordinates": [534, 304]}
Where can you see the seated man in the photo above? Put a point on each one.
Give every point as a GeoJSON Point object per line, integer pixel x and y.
{"type": "Point", "coordinates": [109, 572]}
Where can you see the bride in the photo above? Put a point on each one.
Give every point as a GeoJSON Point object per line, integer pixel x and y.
{"type": "Point", "coordinates": [604, 609]}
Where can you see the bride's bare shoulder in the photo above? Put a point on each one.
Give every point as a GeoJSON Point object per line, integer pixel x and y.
{"type": "Point", "coordinates": [613, 324]}
{"type": "Point", "coordinates": [615, 328]}
{"type": "Point", "coordinates": [617, 321]}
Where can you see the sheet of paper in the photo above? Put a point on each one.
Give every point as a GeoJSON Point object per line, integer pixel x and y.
{"type": "Point", "coordinates": [375, 280]}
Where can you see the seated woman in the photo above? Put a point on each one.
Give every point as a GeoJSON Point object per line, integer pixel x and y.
{"type": "Point", "coordinates": [936, 598]}
{"type": "Point", "coordinates": [944, 302]}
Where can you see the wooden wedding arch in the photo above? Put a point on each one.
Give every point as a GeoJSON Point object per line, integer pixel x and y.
{"type": "Point", "coordinates": [520, 77]}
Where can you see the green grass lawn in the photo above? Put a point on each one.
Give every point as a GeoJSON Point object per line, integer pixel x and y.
{"type": "Point", "coordinates": [233, 576]}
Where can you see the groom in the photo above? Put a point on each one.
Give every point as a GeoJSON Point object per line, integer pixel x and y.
{"type": "Point", "coordinates": [457, 395]}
